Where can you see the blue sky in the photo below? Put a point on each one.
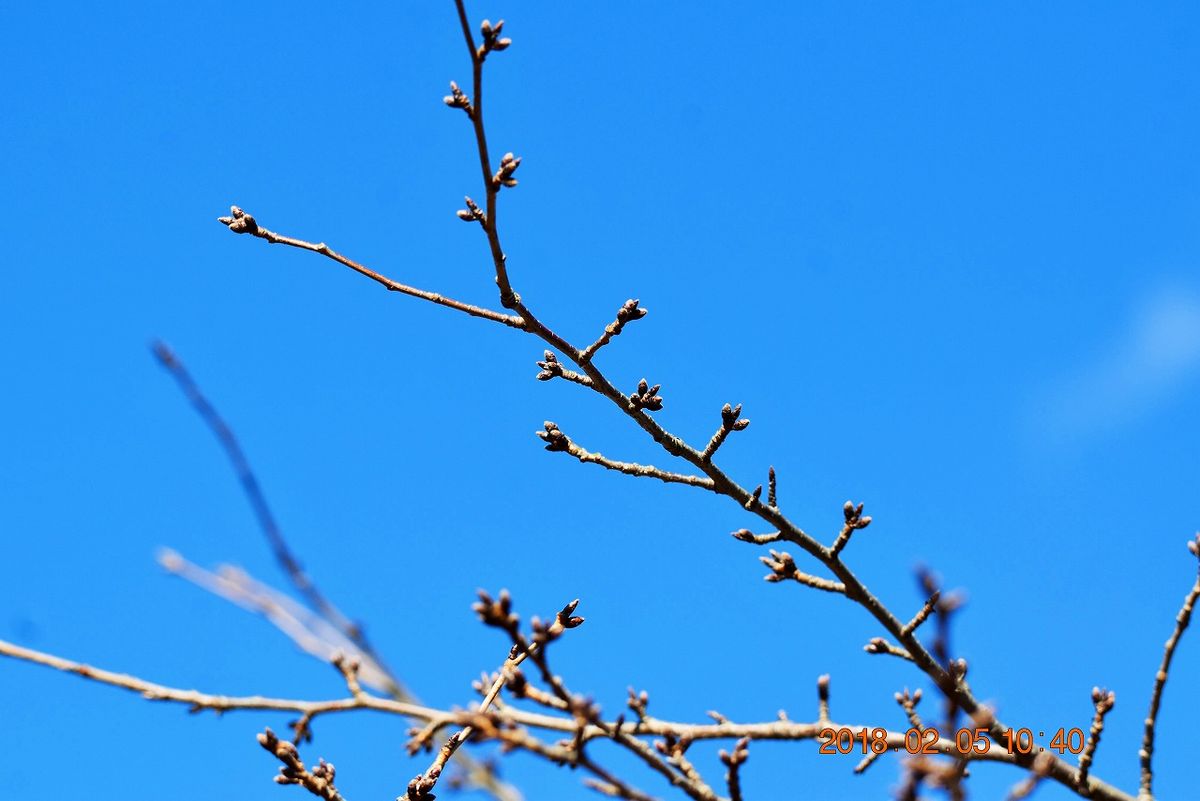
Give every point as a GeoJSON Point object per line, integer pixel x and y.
{"type": "Point", "coordinates": [946, 255]}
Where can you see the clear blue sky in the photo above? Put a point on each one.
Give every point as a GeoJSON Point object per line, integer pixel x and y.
{"type": "Point", "coordinates": [945, 254]}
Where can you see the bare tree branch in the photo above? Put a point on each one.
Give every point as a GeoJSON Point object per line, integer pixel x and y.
{"type": "Point", "coordinates": [1146, 754]}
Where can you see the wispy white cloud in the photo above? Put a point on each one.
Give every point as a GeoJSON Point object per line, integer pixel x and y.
{"type": "Point", "coordinates": [1144, 368]}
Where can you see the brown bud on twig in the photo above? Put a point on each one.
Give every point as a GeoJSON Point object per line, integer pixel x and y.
{"type": "Point", "coordinates": [638, 702]}
{"type": "Point", "coordinates": [854, 516]}
{"type": "Point", "coordinates": [503, 176]}
{"type": "Point", "coordinates": [491, 38]}
{"type": "Point", "coordinates": [729, 416]}
{"type": "Point", "coordinates": [496, 612]}
{"type": "Point", "coordinates": [854, 521]}
{"type": "Point", "coordinates": [555, 439]}
{"type": "Point", "coordinates": [646, 397]}
{"type": "Point", "coordinates": [781, 563]}
{"type": "Point", "coordinates": [823, 697]}
{"type": "Point", "coordinates": [550, 367]}
{"type": "Point", "coordinates": [746, 535]}
{"type": "Point", "coordinates": [239, 221]}
{"type": "Point", "coordinates": [729, 422]}
{"type": "Point", "coordinates": [567, 618]}
{"type": "Point", "coordinates": [877, 645]}
{"type": "Point", "coordinates": [472, 213]}
{"type": "Point", "coordinates": [629, 312]}
{"type": "Point", "coordinates": [456, 99]}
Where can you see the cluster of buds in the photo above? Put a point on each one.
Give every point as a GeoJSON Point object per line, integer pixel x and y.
{"type": "Point", "coordinates": [854, 521]}
{"type": "Point", "coordinates": [491, 38]}
{"type": "Point", "coordinates": [638, 702]}
{"type": "Point", "coordinates": [854, 516]}
{"type": "Point", "coordinates": [239, 221]}
{"type": "Point", "coordinates": [546, 633]}
{"type": "Point", "coordinates": [646, 397]}
{"type": "Point", "coordinates": [730, 420]}
{"type": "Point", "coordinates": [673, 747]}
{"type": "Point", "coordinates": [781, 564]}
{"type": "Point", "coordinates": [456, 99]}
{"type": "Point", "coordinates": [497, 612]}
{"type": "Point", "coordinates": [319, 781]}
{"type": "Point", "coordinates": [555, 439]}
{"type": "Point", "coordinates": [628, 312]}
{"type": "Point", "coordinates": [550, 368]}
{"type": "Point", "coordinates": [741, 752]}
{"type": "Point", "coordinates": [472, 212]}
{"type": "Point", "coordinates": [878, 645]}
{"type": "Point", "coordinates": [324, 771]}
{"type": "Point", "coordinates": [503, 176]}
{"type": "Point", "coordinates": [1103, 700]}
{"type": "Point", "coordinates": [421, 787]}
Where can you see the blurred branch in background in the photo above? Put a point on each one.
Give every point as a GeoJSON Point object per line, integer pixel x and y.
{"type": "Point", "coordinates": [320, 628]}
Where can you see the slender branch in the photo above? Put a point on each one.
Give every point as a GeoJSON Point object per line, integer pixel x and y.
{"type": "Point", "coordinates": [908, 702]}
{"type": "Point", "coordinates": [685, 779]}
{"type": "Point", "coordinates": [556, 440]}
{"type": "Point", "coordinates": [318, 781]}
{"type": "Point", "coordinates": [879, 645]}
{"type": "Point", "coordinates": [1146, 754]}
{"type": "Point", "coordinates": [242, 223]}
{"type": "Point", "coordinates": [625, 315]}
{"type": "Point", "coordinates": [923, 614]}
{"type": "Point", "coordinates": [197, 701]}
{"type": "Point", "coordinates": [508, 298]}
{"type": "Point", "coordinates": [783, 568]}
{"type": "Point", "coordinates": [1103, 701]}
{"type": "Point", "coordinates": [746, 535]}
{"type": "Point", "coordinates": [734, 761]}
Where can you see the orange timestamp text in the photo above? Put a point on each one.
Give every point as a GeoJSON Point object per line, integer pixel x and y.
{"type": "Point", "coordinates": [929, 741]}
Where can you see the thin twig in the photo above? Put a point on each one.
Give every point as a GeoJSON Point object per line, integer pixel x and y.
{"type": "Point", "coordinates": [1103, 701]}
{"type": "Point", "coordinates": [1146, 754]}
{"type": "Point", "coordinates": [923, 614]}
{"type": "Point", "coordinates": [783, 568]}
{"type": "Point", "coordinates": [240, 222]}
{"type": "Point", "coordinates": [879, 645]}
{"type": "Point", "coordinates": [733, 761]}
{"type": "Point", "coordinates": [318, 781]}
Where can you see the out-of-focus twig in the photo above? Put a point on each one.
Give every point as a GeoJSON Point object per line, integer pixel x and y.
{"type": "Point", "coordinates": [310, 631]}
{"type": "Point", "coordinates": [283, 553]}
{"type": "Point", "coordinates": [324, 630]}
